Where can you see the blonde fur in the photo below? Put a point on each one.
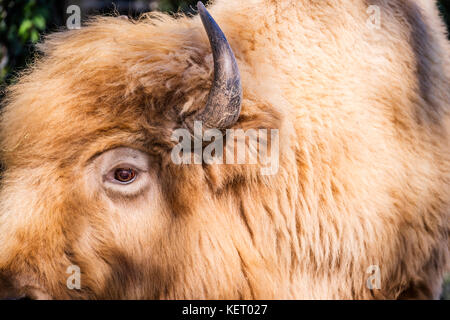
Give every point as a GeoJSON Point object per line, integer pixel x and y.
{"type": "Point", "coordinates": [364, 174]}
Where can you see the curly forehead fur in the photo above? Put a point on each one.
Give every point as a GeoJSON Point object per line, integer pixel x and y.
{"type": "Point", "coordinates": [364, 175]}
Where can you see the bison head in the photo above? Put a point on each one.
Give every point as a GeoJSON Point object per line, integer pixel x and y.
{"type": "Point", "coordinates": [90, 190]}
{"type": "Point", "coordinates": [93, 205]}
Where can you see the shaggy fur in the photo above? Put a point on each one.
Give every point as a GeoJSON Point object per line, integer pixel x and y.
{"type": "Point", "coordinates": [364, 174]}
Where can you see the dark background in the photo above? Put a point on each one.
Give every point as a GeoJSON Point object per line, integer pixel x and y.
{"type": "Point", "coordinates": [22, 22]}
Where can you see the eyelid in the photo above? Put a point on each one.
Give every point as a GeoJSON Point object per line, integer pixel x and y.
{"type": "Point", "coordinates": [122, 163]}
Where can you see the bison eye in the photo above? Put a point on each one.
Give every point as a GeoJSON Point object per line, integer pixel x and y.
{"type": "Point", "coordinates": [120, 172]}
{"type": "Point", "coordinates": [125, 175]}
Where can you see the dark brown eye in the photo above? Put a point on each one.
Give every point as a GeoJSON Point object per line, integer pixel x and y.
{"type": "Point", "coordinates": [125, 175]}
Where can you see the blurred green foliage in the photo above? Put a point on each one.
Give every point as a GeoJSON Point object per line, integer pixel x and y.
{"type": "Point", "coordinates": [21, 24]}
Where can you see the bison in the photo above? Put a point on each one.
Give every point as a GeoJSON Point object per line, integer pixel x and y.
{"type": "Point", "coordinates": [92, 205]}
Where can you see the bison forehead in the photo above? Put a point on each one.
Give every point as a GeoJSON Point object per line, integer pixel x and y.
{"type": "Point", "coordinates": [111, 80]}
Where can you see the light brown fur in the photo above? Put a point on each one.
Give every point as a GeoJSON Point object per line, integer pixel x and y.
{"type": "Point", "coordinates": [364, 174]}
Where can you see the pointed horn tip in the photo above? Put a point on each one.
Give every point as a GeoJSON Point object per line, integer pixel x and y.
{"type": "Point", "coordinates": [200, 6]}
{"type": "Point", "coordinates": [223, 107]}
{"type": "Point", "coordinates": [203, 12]}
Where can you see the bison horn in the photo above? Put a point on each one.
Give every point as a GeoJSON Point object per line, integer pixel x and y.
{"type": "Point", "coordinates": [224, 101]}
